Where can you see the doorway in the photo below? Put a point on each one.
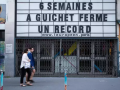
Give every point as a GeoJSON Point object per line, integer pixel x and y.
{"type": "Point", "coordinates": [79, 57]}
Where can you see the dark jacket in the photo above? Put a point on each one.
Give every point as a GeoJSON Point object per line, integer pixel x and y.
{"type": "Point", "coordinates": [30, 56]}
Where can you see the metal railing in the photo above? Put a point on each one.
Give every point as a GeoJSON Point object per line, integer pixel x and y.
{"type": "Point", "coordinates": [84, 57]}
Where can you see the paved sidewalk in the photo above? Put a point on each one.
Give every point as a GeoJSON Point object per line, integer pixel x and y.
{"type": "Point", "coordinates": [51, 83]}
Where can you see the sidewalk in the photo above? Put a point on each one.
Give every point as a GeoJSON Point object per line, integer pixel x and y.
{"type": "Point", "coordinates": [51, 83]}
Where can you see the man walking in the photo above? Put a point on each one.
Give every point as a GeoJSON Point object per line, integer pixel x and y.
{"type": "Point", "coordinates": [32, 62]}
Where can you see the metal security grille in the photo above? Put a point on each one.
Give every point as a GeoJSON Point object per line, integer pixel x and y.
{"type": "Point", "coordinates": [85, 57]}
{"type": "Point", "coordinates": [84, 63]}
{"type": "Point", "coordinates": [67, 59]}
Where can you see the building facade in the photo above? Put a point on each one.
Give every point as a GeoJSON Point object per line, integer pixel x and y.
{"type": "Point", "coordinates": [77, 35]}
{"type": "Point", "coordinates": [118, 27]}
{"type": "Point", "coordinates": [2, 32]}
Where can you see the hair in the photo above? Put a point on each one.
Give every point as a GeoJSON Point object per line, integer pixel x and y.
{"type": "Point", "coordinates": [26, 50]}
{"type": "Point", "coordinates": [30, 48]}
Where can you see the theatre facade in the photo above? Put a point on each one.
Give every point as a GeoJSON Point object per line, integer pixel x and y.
{"type": "Point", "coordinates": [77, 35]}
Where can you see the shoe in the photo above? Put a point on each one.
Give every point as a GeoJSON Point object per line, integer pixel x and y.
{"type": "Point", "coordinates": [28, 84]}
{"type": "Point", "coordinates": [31, 81]}
{"type": "Point", "coordinates": [22, 85]}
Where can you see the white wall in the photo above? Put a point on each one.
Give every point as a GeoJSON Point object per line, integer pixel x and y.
{"type": "Point", "coordinates": [118, 9]}
{"type": "Point", "coordinates": [117, 29]}
{"type": "Point", "coordinates": [9, 37]}
{"type": "Point", "coordinates": [3, 1]}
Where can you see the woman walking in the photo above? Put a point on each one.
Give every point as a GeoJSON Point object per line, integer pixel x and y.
{"type": "Point", "coordinates": [25, 67]}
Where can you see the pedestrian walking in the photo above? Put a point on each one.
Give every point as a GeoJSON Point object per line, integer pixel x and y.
{"type": "Point", "coordinates": [32, 62]}
{"type": "Point", "coordinates": [25, 67]}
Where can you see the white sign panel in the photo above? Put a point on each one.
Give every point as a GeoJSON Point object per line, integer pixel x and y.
{"type": "Point", "coordinates": [8, 48]}
{"type": "Point", "coordinates": [66, 18]}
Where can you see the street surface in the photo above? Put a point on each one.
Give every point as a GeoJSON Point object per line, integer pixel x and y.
{"type": "Point", "coordinates": [56, 83]}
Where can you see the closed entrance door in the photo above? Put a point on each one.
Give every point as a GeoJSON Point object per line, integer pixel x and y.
{"type": "Point", "coordinates": [79, 57]}
{"type": "Point", "coordinates": [45, 51]}
{"type": "Point", "coordinates": [67, 58]}
{"type": "Point", "coordinates": [96, 57]}
{"type": "Point", "coordinates": [85, 62]}
{"type": "Point", "coordinates": [43, 55]}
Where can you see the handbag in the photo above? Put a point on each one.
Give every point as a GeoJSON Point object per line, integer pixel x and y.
{"type": "Point", "coordinates": [27, 65]}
